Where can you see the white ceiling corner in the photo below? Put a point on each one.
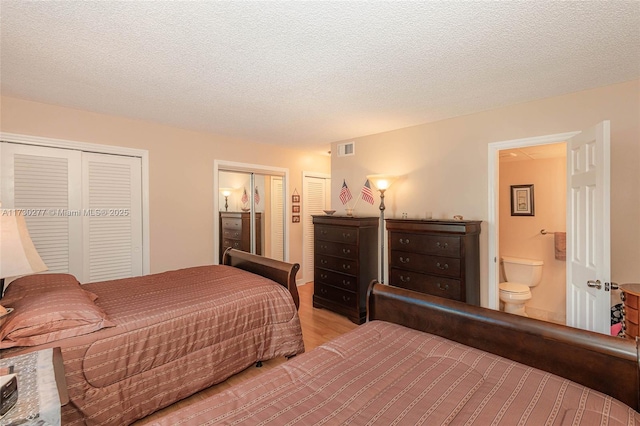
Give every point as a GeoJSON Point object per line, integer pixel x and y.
{"type": "Point", "coordinates": [304, 74]}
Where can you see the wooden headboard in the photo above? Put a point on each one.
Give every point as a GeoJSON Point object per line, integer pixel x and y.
{"type": "Point", "coordinates": [604, 363]}
{"type": "Point", "coordinates": [281, 272]}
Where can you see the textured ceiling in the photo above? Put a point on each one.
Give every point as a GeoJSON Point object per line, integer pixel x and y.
{"type": "Point", "coordinates": [310, 73]}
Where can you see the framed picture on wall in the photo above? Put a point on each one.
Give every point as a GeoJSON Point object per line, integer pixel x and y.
{"type": "Point", "coordinates": [295, 198]}
{"type": "Point", "coordinates": [295, 218]}
{"type": "Point", "coordinates": [522, 200]}
{"type": "Point", "coordinates": [295, 209]}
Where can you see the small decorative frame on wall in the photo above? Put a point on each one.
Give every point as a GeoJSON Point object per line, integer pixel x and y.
{"type": "Point", "coordinates": [295, 198]}
{"type": "Point", "coordinates": [295, 209]}
{"type": "Point", "coordinates": [295, 218]}
{"type": "Point", "coordinates": [522, 200]}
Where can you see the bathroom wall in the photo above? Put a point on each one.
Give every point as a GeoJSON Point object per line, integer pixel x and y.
{"type": "Point", "coordinates": [520, 235]}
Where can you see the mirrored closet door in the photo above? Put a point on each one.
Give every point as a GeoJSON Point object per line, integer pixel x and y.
{"type": "Point", "coordinates": [251, 210]}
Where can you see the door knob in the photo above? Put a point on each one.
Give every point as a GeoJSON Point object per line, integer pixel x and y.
{"type": "Point", "coordinates": [597, 284]}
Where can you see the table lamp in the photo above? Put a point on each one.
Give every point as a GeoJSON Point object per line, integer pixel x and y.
{"type": "Point", "coordinates": [18, 255]}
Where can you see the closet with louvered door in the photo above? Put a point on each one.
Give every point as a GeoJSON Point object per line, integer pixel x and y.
{"type": "Point", "coordinates": [83, 209]}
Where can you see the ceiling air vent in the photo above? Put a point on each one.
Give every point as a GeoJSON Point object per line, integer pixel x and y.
{"type": "Point", "coordinates": [345, 149]}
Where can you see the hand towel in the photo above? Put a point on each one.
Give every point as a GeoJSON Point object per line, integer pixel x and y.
{"type": "Point", "coordinates": [560, 243]}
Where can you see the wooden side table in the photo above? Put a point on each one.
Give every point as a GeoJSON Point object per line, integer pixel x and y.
{"type": "Point", "coordinates": [42, 388]}
{"type": "Point", "coordinates": [630, 319]}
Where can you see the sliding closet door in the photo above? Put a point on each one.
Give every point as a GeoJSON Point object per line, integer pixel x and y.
{"type": "Point", "coordinates": [258, 195]}
{"type": "Point", "coordinates": [112, 228]}
{"type": "Point", "coordinates": [46, 183]}
{"type": "Point", "coordinates": [83, 210]}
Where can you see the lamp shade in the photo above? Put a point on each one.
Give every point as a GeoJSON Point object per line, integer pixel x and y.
{"type": "Point", "coordinates": [382, 182]}
{"type": "Point", "coordinates": [18, 255]}
{"type": "Point", "coordinates": [226, 191]}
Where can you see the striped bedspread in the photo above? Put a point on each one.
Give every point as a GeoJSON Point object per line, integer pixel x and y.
{"type": "Point", "coordinates": [176, 333]}
{"type": "Point", "coordinates": [386, 374]}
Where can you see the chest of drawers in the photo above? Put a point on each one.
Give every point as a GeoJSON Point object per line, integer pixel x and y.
{"type": "Point", "coordinates": [436, 257]}
{"type": "Point", "coordinates": [345, 262]}
{"type": "Point", "coordinates": [235, 231]}
{"type": "Point", "coordinates": [631, 298]}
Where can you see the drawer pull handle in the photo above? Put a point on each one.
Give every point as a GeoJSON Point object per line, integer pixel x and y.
{"type": "Point", "coordinates": [323, 232]}
{"type": "Point", "coordinates": [441, 266]}
{"type": "Point", "coordinates": [346, 298]}
{"type": "Point", "coordinates": [237, 234]}
{"type": "Point", "coordinates": [323, 247]}
{"type": "Point", "coordinates": [323, 290]}
{"type": "Point", "coordinates": [323, 276]}
{"type": "Point", "coordinates": [346, 266]}
{"type": "Point", "coordinates": [405, 280]}
{"type": "Point", "coordinates": [442, 246]}
{"type": "Point", "coordinates": [346, 251]}
{"type": "Point", "coordinates": [346, 283]}
{"type": "Point", "coordinates": [404, 259]}
{"type": "Point", "coordinates": [346, 235]}
{"type": "Point", "coordinates": [404, 241]}
{"type": "Point", "coordinates": [443, 287]}
{"type": "Point", "coordinates": [324, 261]}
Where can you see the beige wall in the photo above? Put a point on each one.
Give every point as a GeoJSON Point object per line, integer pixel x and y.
{"type": "Point", "coordinates": [520, 235]}
{"type": "Point", "coordinates": [444, 164]}
{"type": "Point", "coordinates": [180, 172]}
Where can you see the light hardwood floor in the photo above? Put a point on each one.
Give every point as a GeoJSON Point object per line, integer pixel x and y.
{"type": "Point", "coordinates": [318, 326]}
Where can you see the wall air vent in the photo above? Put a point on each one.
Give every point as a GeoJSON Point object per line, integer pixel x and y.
{"type": "Point", "coordinates": [346, 149]}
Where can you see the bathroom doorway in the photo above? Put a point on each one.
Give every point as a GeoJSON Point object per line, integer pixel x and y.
{"type": "Point", "coordinates": [588, 267]}
{"type": "Point", "coordinates": [536, 236]}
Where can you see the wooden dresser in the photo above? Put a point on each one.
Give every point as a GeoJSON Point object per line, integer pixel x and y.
{"type": "Point", "coordinates": [345, 262]}
{"type": "Point", "coordinates": [438, 257]}
{"type": "Point", "coordinates": [235, 231]}
{"type": "Point", "coordinates": [630, 295]}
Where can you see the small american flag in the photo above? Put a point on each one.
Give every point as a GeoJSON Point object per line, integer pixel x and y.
{"type": "Point", "coordinates": [245, 197]}
{"type": "Point", "coordinates": [345, 194]}
{"type": "Point", "coordinates": [367, 195]}
{"type": "Point", "coordinates": [256, 196]}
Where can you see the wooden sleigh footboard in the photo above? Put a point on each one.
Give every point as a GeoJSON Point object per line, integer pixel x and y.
{"type": "Point", "coordinates": [604, 363]}
{"type": "Point", "coordinates": [281, 272]}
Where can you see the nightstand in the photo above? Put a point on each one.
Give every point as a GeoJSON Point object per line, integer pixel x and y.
{"type": "Point", "coordinates": [42, 387]}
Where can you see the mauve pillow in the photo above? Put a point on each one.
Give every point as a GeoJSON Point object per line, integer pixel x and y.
{"type": "Point", "coordinates": [49, 307]}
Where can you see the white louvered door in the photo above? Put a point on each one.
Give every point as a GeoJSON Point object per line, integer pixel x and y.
{"type": "Point", "coordinates": [315, 199]}
{"type": "Point", "coordinates": [83, 210]}
{"type": "Point", "coordinates": [112, 228]}
{"type": "Point", "coordinates": [46, 183]}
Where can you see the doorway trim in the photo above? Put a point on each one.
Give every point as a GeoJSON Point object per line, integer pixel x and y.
{"type": "Point", "coordinates": [251, 168]}
{"type": "Point", "coordinates": [493, 301]}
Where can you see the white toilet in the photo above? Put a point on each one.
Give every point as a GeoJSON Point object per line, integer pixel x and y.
{"type": "Point", "coordinates": [521, 275]}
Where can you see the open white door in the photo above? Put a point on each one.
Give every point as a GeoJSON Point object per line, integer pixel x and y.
{"type": "Point", "coordinates": [588, 233]}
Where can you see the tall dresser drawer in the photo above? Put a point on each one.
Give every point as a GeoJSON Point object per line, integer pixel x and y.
{"type": "Point", "coordinates": [231, 233]}
{"type": "Point", "coordinates": [231, 223]}
{"type": "Point", "coordinates": [430, 284]}
{"type": "Point", "coordinates": [339, 234]}
{"type": "Point", "coordinates": [336, 249]}
{"type": "Point", "coordinates": [438, 245]}
{"type": "Point", "coordinates": [339, 296]}
{"type": "Point", "coordinates": [335, 279]}
{"type": "Point", "coordinates": [236, 244]}
{"type": "Point", "coordinates": [447, 266]}
{"type": "Point", "coordinates": [336, 263]}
